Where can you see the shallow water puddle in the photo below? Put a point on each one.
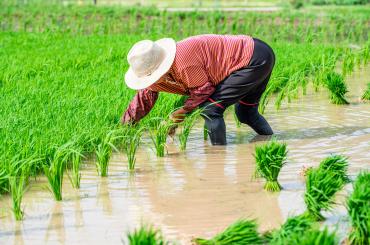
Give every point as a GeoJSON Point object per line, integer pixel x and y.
{"type": "Point", "coordinates": [200, 192]}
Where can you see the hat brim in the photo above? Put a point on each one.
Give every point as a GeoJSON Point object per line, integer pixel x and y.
{"type": "Point", "coordinates": [135, 82]}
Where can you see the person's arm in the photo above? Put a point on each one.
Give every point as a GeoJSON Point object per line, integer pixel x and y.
{"type": "Point", "coordinates": [197, 96]}
{"type": "Point", "coordinates": [140, 106]}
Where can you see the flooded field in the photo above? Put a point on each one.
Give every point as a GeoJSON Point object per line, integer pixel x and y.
{"type": "Point", "coordinates": [201, 191]}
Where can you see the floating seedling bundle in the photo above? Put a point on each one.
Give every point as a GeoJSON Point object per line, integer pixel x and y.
{"type": "Point", "coordinates": [337, 88]}
{"type": "Point", "coordinates": [240, 232]}
{"type": "Point", "coordinates": [358, 206]}
{"type": "Point", "coordinates": [321, 186]}
{"type": "Point", "coordinates": [145, 235]}
{"type": "Point", "coordinates": [270, 158]}
{"type": "Point", "coordinates": [336, 164]}
{"type": "Point", "coordinates": [293, 226]}
{"type": "Point", "coordinates": [366, 95]}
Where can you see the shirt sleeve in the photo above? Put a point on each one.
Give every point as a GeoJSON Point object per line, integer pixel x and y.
{"type": "Point", "coordinates": [198, 95]}
{"type": "Point", "coordinates": [140, 106]}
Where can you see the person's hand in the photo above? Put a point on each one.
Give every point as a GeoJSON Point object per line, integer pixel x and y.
{"type": "Point", "coordinates": [178, 116]}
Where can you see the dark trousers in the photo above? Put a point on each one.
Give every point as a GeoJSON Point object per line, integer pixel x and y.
{"type": "Point", "coordinates": [242, 88]}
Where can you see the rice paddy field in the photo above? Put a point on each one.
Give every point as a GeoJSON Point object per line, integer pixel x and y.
{"type": "Point", "coordinates": [70, 173]}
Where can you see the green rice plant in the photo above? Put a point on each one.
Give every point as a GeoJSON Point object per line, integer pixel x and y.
{"type": "Point", "coordinates": [54, 174]}
{"type": "Point", "coordinates": [76, 159]}
{"type": "Point", "coordinates": [145, 235]}
{"type": "Point", "coordinates": [241, 232]}
{"type": "Point", "coordinates": [237, 122]}
{"type": "Point", "coordinates": [358, 207]}
{"type": "Point", "coordinates": [321, 186]}
{"type": "Point", "coordinates": [312, 237]}
{"type": "Point", "coordinates": [296, 225]}
{"type": "Point", "coordinates": [337, 88]}
{"type": "Point", "coordinates": [366, 95]}
{"type": "Point", "coordinates": [270, 158]}
{"type": "Point", "coordinates": [159, 135]}
{"type": "Point", "coordinates": [132, 143]}
{"type": "Point", "coordinates": [337, 164]}
{"type": "Point", "coordinates": [187, 125]}
{"type": "Point", "coordinates": [104, 152]}
{"type": "Point", "coordinates": [205, 133]}
{"type": "Point", "coordinates": [17, 189]}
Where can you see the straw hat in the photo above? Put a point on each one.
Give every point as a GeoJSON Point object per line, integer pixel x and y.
{"type": "Point", "coordinates": [149, 61]}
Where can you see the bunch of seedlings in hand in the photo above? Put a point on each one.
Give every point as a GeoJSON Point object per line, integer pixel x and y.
{"type": "Point", "coordinates": [358, 207]}
{"type": "Point", "coordinates": [270, 158]}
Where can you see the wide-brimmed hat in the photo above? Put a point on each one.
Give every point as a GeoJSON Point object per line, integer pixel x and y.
{"type": "Point", "coordinates": [149, 61]}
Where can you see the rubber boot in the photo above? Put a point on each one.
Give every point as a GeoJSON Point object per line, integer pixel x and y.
{"type": "Point", "coordinates": [249, 115]}
{"type": "Point", "coordinates": [216, 130]}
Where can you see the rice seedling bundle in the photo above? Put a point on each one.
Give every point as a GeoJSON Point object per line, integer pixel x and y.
{"type": "Point", "coordinates": [366, 95]}
{"type": "Point", "coordinates": [293, 226]}
{"type": "Point", "coordinates": [337, 88]}
{"type": "Point", "coordinates": [17, 189]}
{"type": "Point", "coordinates": [313, 237]}
{"type": "Point", "coordinates": [358, 207]}
{"type": "Point", "coordinates": [145, 235]}
{"type": "Point", "coordinates": [104, 152]}
{"type": "Point", "coordinates": [338, 165]}
{"type": "Point", "coordinates": [321, 186]}
{"type": "Point", "coordinates": [240, 232]}
{"type": "Point", "coordinates": [270, 158]}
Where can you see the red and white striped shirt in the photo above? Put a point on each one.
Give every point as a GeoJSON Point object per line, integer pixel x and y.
{"type": "Point", "coordinates": [201, 62]}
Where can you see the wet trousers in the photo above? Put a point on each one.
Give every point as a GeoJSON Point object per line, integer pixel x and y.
{"type": "Point", "coordinates": [242, 88]}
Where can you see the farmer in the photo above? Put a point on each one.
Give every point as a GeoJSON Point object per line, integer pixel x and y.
{"type": "Point", "coordinates": [215, 71]}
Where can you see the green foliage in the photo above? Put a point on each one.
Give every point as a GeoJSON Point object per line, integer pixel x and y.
{"type": "Point", "coordinates": [366, 95]}
{"type": "Point", "coordinates": [240, 232]}
{"type": "Point", "coordinates": [358, 206]}
{"type": "Point", "coordinates": [339, 2]}
{"type": "Point", "coordinates": [270, 158]}
{"type": "Point", "coordinates": [17, 189]}
{"type": "Point", "coordinates": [337, 88]}
{"type": "Point", "coordinates": [145, 235]}
{"type": "Point", "coordinates": [293, 226]}
{"type": "Point", "coordinates": [321, 186]}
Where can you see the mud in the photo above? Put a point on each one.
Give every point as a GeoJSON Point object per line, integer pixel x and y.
{"type": "Point", "coordinates": [201, 191]}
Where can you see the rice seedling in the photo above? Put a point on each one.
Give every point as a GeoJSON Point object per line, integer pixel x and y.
{"type": "Point", "coordinates": [337, 164]}
{"type": "Point", "coordinates": [187, 125]}
{"type": "Point", "coordinates": [159, 135]}
{"type": "Point", "coordinates": [132, 143]}
{"type": "Point", "coordinates": [241, 232]}
{"type": "Point", "coordinates": [337, 88]}
{"type": "Point", "coordinates": [104, 152]}
{"type": "Point", "coordinates": [321, 186]}
{"type": "Point", "coordinates": [54, 174]}
{"type": "Point", "coordinates": [17, 189]}
{"type": "Point", "coordinates": [358, 207]}
{"type": "Point", "coordinates": [76, 160]}
{"type": "Point", "coordinates": [366, 95]}
{"type": "Point", "coordinates": [296, 225]}
{"type": "Point", "coordinates": [145, 235]}
{"type": "Point", "coordinates": [312, 236]}
{"type": "Point", "coordinates": [205, 133]}
{"type": "Point", "coordinates": [270, 158]}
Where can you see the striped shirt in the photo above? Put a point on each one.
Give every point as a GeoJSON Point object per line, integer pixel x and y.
{"type": "Point", "coordinates": [201, 62]}
{"type": "Point", "coordinates": [205, 58]}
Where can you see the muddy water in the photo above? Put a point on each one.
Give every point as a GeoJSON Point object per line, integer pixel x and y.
{"type": "Point", "coordinates": [199, 192]}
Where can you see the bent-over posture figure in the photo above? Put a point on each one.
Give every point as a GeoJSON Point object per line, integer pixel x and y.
{"type": "Point", "coordinates": [215, 71]}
